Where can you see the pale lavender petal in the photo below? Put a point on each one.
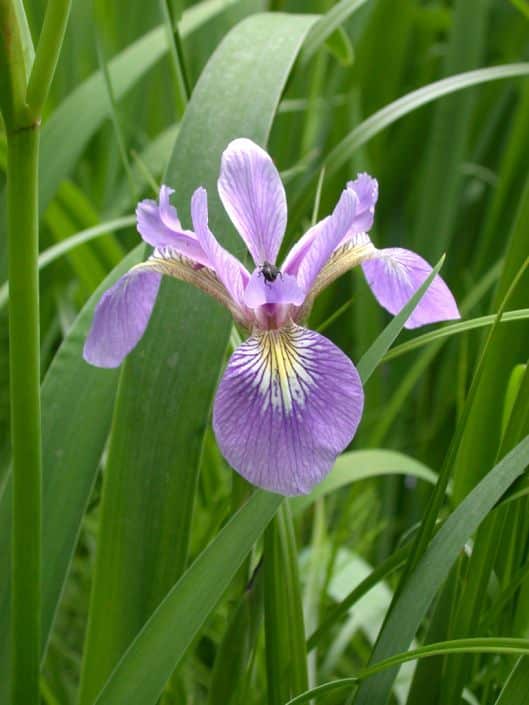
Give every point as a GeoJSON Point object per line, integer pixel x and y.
{"type": "Point", "coordinates": [306, 263]}
{"type": "Point", "coordinates": [284, 290]}
{"type": "Point", "coordinates": [254, 197]}
{"type": "Point", "coordinates": [395, 274]}
{"type": "Point", "coordinates": [121, 317]}
{"type": "Point", "coordinates": [159, 226]}
{"type": "Point", "coordinates": [289, 402]}
{"type": "Point", "coordinates": [168, 213]}
{"type": "Point", "coordinates": [229, 270]}
{"type": "Point", "coordinates": [365, 188]}
{"type": "Point", "coordinates": [301, 247]}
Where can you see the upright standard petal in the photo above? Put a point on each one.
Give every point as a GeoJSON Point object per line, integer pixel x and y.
{"type": "Point", "coordinates": [121, 317]}
{"type": "Point", "coordinates": [229, 270]}
{"type": "Point", "coordinates": [254, 197]}
{"type": "Point", "coordinates": [395, 274]}
{"type": "Point", "coordinates": [289, 402]}
{"type": "Point", "coordinates": [306, 263]}
{"type": "Point", "coordinates": [159, 226]}
{"type": "Point", "coordinates": [365, 188]}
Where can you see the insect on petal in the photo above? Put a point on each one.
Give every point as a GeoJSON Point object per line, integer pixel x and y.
{"type": "Point", "coordinates": [289, 402]}
{"type": "Point", "coordinates": [395, 274]}
{"type": "Point", "coordinates": [121, 317]}
{"type": "Point", "coordinates": [284, 290]}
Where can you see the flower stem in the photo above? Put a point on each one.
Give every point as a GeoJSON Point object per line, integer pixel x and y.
{"type": "Point", "coordinates": [22, 201]}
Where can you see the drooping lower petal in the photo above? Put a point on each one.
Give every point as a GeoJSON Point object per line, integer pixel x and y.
{"type": "Point", "coordinates": [121, 317]}
{"type": "Point", "coordinates": [254, 197]}
{"type": "Point", "coordinates": [395, 274]}
{"type": "Point", "coordinates": [289, 402]}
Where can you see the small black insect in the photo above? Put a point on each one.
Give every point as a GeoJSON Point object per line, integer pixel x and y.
{"type": "Point", "coordinates": [270, 272]}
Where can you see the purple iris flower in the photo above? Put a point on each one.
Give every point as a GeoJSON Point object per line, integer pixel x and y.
{"type": "Point", "coordinates": [290, 401]}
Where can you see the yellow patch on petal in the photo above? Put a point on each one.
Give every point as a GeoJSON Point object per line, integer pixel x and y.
{"type": "Point", "coordinates": [282, 364]}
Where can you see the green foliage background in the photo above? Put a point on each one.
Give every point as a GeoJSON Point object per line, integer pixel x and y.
{"type": "Point", "coordinates": [154, 588]}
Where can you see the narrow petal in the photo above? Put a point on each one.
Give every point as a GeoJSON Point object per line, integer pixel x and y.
{"type": "Point", "coordinates": [289, 402]}
{"type": "Point", "coordinates": [121, 317]}
{"type": "Point", "coordinates": [168, 214]}
{"type": "Point", "coordinates": [306, 263]}
{"type": "Point", "coordinates": [365, 188]}
{"type": "Point", "coordinates": [254, 197]}
{"type": "Point", "coordinates": [395, 274]}
{"type": "Point", "coordinates": [159, 226]}
{"type": "Point", "coordinates": [284, 290]}
{"type": "Point", "coordinates": [229, 270]}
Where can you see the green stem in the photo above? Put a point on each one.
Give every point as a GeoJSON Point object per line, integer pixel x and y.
{"type": "Point", "coordinates": [22, 201]}
{"type": "Point", "coordinates": [177, 57]}
{"type": "Point", "coordinates": [47, 54]}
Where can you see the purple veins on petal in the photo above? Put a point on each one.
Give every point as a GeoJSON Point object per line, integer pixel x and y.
{"type": "Point", "coordinates": [121, 317]}
{"type": "Point", "coordinates": [365, 188]}
{"type": "Point", "coordinates": [229, 270]}
{"type": "Point", "coordinates": [168, 214]}
{"type": "Point", "coordinates": [395, 274]}
{"type": "Point", "coordinates": [289, 402]}
{"type": "Point", "coordinates": [159, 226]}
{"type": "Point", "coordinates": [317, 245]}
{"type": "Point", "coordinates": [254, 197]}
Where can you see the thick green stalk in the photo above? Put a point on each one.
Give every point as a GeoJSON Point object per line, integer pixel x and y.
{"type": "Point", "coordinates": [21, 102]}
{"type": "Point", "coordinates": [22, 198]}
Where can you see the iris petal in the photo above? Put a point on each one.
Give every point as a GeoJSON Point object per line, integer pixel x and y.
{"type": "Point", "coordinates": [121, 317]}
{"type": "Point", "coordinates": [159, 226]}
{"type": "Point", "coordinates": [254, 197]}
{"type": "Point", "coordinates": [365, 188]}
{"type": "Point", "coordinates": [395, 274]}
{"type": "Point", "coordinates": [229, 270]}
{"type": "Point", "coordinates": [329, 233]}
{"type": "Point", "coordinates": [289, 402]}
{"type": "Point", "coordinates": [284, 290]}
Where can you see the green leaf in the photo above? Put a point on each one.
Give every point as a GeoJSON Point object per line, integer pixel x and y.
{"type": "Point", "coordinates": [328, 23]}
{"type": "Point", "coordinates": [486, 645]}
{"type": "Point", "coordinates": [509, 346]}
{"type": "Point", "coordinates": [339, 45]}
{"type": "Point", "coordinates": [448, 138]}
{"type": "Point", "coordinates": [432, 570]}
{"type": "Point", "coordinates": [142, 672]}
{"type": "Point", "coordinates": [371, 358]}
{"type": "Point", "coordinates": [363, 464]}
{"type": "Point", "coordinates": [410, 102]}
{"type": "Point", "coordinates": [447, 331]}
{"type": "Point", "coordinates": [168, 383]}
{"type": "Point", "coordinates": [514, 692]}
{"type": "Point", "coordinates": [83, 112]}
{"type": "Point", "coordinates": [77, 402]}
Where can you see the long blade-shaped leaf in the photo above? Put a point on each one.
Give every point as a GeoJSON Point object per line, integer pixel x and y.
{"type": "Point", "coordinates": [168, 383]}
{"type": "Point", "coordinates": [434, 566]}
{"type": "Point", "coordinates": [150, 660]}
